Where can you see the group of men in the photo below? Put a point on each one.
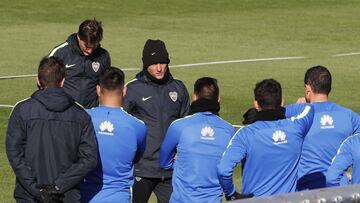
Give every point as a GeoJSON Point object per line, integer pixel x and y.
{"type": "Point", "coordinates": [145, 137]}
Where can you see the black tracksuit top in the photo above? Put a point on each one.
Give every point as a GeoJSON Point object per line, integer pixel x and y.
{"type": "Point", "coordinates": [50, 140]}
{"type": "Point", "coordinates": [82, 72]}
{"type": "Point", "coordinates": [158, 105]}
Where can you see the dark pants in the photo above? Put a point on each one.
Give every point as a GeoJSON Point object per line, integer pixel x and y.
{"type": "Point", "coordinates": [311, 181]}
{"type": "Point", "coordinates": [143, 187]}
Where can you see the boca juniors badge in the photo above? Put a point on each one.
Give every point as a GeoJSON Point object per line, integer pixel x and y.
{"type": "Point", "coordinates": [95, 66]}
{"type": "Point", "coordinates": [173, 96]}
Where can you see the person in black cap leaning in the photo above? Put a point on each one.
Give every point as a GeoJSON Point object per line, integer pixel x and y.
{"type": "Point", "coordinates": [84, 60]}
{"type": "Point", "coordinates": [156, 98]}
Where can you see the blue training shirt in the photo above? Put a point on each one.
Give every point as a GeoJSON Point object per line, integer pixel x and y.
{"type": "Point", "coordinates": [332, 124]}
{"type": "Point", "coordinates": [198, 141]}
{"type": "Point", "coordinates": [347, 155]}
{"type": "Point", "coordinates": [121, 141]}
{"type": "Point", "coordinates": [272, 150]}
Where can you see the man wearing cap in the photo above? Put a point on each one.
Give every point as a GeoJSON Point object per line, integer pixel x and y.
{"type": "Point", "coordinates": [158, 99]}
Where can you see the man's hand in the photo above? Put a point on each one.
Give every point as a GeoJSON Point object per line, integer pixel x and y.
{"type": "Point", "coordinates": [50, 194]}
{"type": "Point", "coordinates": [301, 100]}
{"type": "Point", "coordinates": [237, 195]}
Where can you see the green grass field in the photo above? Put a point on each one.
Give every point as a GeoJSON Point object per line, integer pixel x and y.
{"type": "Point", "coordinates": [194, 31]}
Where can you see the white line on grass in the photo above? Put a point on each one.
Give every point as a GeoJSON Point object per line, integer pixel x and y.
{"type": "Point", "coordinates": [6, 105]}
{"type": "Point", "coordinates": [347, 54]}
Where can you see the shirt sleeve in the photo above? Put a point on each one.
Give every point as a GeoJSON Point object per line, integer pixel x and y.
{"type": "Point", "coordinates": [293, 109]}
{"type": "Point", "coordinates": [168, 147]}
{"type": "Point", "coordinates": [141, 142]}
{"type": "Point", "coordinates": [15, 149]}
{"type": "Point", "coordinates": [234, 153]}
{"type": "Point", "coordinates": [87, 158]}
{"type": "Point", "coordinates": [340, 163]}
{"type": "Point", "coordinates": [305, 119]}
{"type": "Point", "coordinates": [355, 120]}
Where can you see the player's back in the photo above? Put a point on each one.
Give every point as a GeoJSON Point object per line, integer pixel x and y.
{"type": "Point", "coordinates": [273, 150]}
{"type": "Point", "coordinates": [204, 137]}
{"type": "Point", "coordinates": [332, 124]}
{"type": "Point", "coordinates": [117, 133]}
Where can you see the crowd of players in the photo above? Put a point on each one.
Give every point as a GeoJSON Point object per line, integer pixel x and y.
{"type": "Point", "coordinates": [146, 137]}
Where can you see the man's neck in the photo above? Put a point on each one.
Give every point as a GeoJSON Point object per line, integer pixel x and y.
{"type": "Point", "coordinates": [111, 102]}
{"type": "Point", "coordinates": [319, 98]}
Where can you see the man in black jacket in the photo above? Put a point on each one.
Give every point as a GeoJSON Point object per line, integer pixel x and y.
{"type": "Point", "coordinates": [84, 60]}
{"type": "Point", "coordinates": [156, 98]}
{"type": "Point", "coordinates": [50, 141]}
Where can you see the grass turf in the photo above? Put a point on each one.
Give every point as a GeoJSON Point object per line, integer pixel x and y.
{"type": "Point", "coordinates": [194, 31]}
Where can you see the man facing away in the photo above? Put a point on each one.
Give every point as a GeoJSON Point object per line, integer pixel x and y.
{"type": "Point", "coordinates": [50, 141]}
{"type": "Point", "coordinates": [121, 140]}
{"type": "Point", "coordinates": [84, 59]}
{"type": "Point", "coordinates": [198, 141]}
{"type": "Point", "coordinates": [271, 146]}
{"type": "Point", "coordinates": [331, 126]}
{"type": "Point", "coordinates": [158, 99]}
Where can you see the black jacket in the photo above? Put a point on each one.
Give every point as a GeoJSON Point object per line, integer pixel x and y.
{"type": "Point", "coordinates": [82, 72]}
{"type": "Point", "coordinates": [157, 105]}
{"type": "Point", "coordinates": [50, 140]}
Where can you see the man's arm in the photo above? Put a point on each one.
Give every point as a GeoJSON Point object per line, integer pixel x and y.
{"type": "Point", "coordinates": [87, 158]}
{"type": "Point", "coordinates": [340, 163]}
{"type": "Point", "coordinates": [355, 121]}
{"type": "Point", "coordinates": [185, 104]}
{"type": "Point", "coordinates": [128, 100]}
{"type": "Point", "coordinates": [168, 147]}
{"type": "Point", "coordinates": [305, 119]}
{"type": "Point", "coordinates": [234, 153]}
{"type": "Point", "coordinates": [141, 141]}
{"type": "Point", "coordinates": [15, 149]}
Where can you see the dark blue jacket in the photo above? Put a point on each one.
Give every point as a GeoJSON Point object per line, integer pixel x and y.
{"type": "Point", "coordinates": [50, 140]}
{"type": "Point", "coordinates": [82, 72]}
{"type": "Point", "coordinates": [158, 105]}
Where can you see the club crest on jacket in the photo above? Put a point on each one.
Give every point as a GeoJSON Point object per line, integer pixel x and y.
{"type": "Point", "coordinates": [173, 96]}
{"type": "Point", "coordinates": [95, 66]}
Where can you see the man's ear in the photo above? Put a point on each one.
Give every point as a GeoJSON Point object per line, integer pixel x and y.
{"type": "Point", "coordinates": [62, 82]}
{"type": "Point", "coordinates": [256, 105]}
{"type": "Point", "coordinates": [124, 89]}
{"type": "Point", "coordinates": [194, 97]}
{"type": "Point", "coordinates": [282, 101]}
{"type": "Point", "coordinates": [98, 90]}
{"type": "Point", "coordinates": [38, 82]}
{"type": "Point", "coordinates": [218, 99]}
{"type": "Point", "coordinates": [307, 90]}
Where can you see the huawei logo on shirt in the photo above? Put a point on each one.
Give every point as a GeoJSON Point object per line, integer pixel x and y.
{"type": "Point", "coordinates": [279, 137]}
{"type": "Point", "coordinates": [326, 121]}
{"type": "Point", "coordinates": [106, 128]}
{"type": "Point", "coordinates": [207, 133]}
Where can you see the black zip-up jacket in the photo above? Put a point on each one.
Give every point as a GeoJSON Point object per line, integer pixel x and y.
{"type": "Point", "coordinates": [82, 72]}
{"type": "Point", "coordinates": [50, 140]}
{"type": "Point", "coordinates": [158, 105]}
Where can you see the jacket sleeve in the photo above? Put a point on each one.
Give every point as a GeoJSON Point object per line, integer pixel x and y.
{"type": "Point", "coordinates": [129, 100]}
{"type": "Point", "coordinates": [168, 148]}
{"type": "Point", "coordinates": [141, 142]}
{"type": "Point", "coordinates": [185, 103]}
{"type": "Point", "coordinates": [234, 153]}
{"type": "Point", "coordinates": [304, 120]}
{"type": "Point", "coordinates": [340, 163]}
{"type": "Point", "coordinates": [355, 121]}
{"type": "Point", "coordinates": [86, 161]}
{"type": "Point", "coordinates": [15, 149]}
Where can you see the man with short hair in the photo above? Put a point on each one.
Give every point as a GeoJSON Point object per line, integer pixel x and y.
{"type": "Point", "coordinates": [121, 140]}
{"type": "Point", "coordinates": [158, 99]}
{"type": "Point", "coordinates": [198, 141]}
{"type": "Point", "coordinates": [84, 59]}
{"type": "Point", "coordinates": [50, 141]}
{"type": "Point", "coordinates": [331, 126]}
{"type": "Point", "coordinates": [271, 146]}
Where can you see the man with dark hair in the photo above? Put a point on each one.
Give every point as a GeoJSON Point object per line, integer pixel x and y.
{"type": "Point", "coordinates": [155, 97]}
{"type": "Point", "coordinates": [84, 60]}
{"type": "Point", "coordinates": [331, 126]}
{"type": "Point", "coordinates": [121, 140]}
{"type": "Point", "coordinates": [198, 141]}
{"type": "Point", "coordinates": [271, 146]}
{"type": "Point", "coordinates": [50, 141]}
